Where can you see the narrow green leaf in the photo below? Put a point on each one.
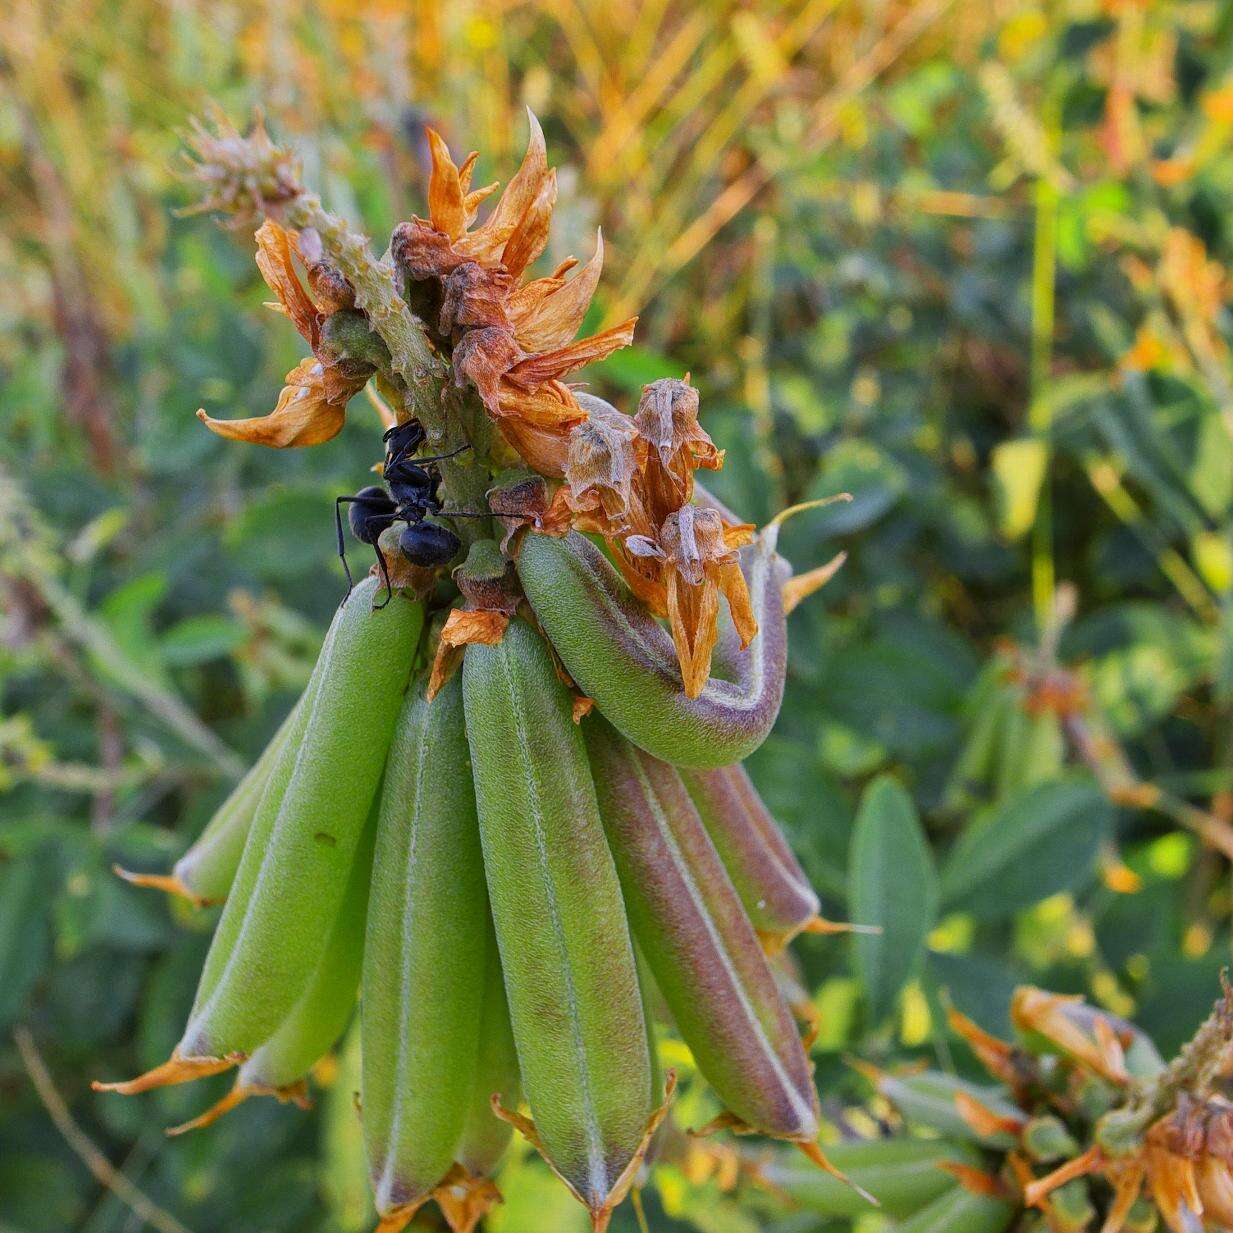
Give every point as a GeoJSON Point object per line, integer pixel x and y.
{"type": "Point", "coordinates": [24, 939]}
{"type": "Point", "coordinates": [1041, 840]}
{"type": "Point", "coordinates": [892, 885]}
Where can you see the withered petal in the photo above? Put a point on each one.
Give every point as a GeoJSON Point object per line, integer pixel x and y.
{"type": "Point", "coordinates": [544, 449]}
{"type": "Point", "coordinates": [276, 247]}
{"type": "Point", "coordinates": [303, 415]}
{"type": "Point", "coordinates": [693, 617]}
{"type": "Point", "coordinates": [553, 319]}
{"type": "Point", "coordinates": [485, 243]}
{"type": "Point", "coordinates": [550, 406]}
{"type": "Point", "coordinates": [445, 192]}
{"type": "Point", "coordinates": [530, 236]}
{"type": "Point", "coordinates": [536, 369]}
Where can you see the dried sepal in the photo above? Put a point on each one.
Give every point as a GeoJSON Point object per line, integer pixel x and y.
{"type": "Point", "coordinates": [604, 454]}
{"type": "Point", "coordinates": [462, 628]}
{"type": "Point", "coordinates": [1080, 1034]}
{"type": "Point", "coordinates": [667, 418]}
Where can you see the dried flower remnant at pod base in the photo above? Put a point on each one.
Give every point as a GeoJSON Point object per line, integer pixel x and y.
{"type": "Point", "coordinates": [525, 716]}
{"type": "Point", "coordinates": [1088, 1129]}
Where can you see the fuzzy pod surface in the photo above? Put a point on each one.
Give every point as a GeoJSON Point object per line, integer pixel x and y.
{"type": "Point", "coordinates": [293, 875]}
{"type": "Point", "coordinates": [427, 959]}
{"type": "Point", "coordinates": [769, 879]}
{"type": "Point", "coordinates": [704, 953]}
{"type": "Point", "coordinates": [623, 658]}
{"type": "Point", "coordinates": [560, 921]}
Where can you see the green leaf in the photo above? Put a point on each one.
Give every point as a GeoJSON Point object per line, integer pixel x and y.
{"type": "Point", "coordinates": [892, 885]}
{"type": "Point", "coordinates": [200, 638]}
{"type": "Point", "coordinates": [1040, 841]}
{"type": "Point", "coordinates": [24, 938]}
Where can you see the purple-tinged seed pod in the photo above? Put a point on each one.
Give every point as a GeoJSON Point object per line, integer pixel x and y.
{"type": "Point", "coordinates": [623, 658]}
{"type": "Point", "coordinates": [767, 876]}
{"type": "Point", "coordinates": [706, 958]}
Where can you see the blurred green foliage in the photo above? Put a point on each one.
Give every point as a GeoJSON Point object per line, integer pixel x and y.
{"type": "Point", "coordinates": [969, 264]}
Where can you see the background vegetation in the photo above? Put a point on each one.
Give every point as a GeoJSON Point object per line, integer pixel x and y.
{"type": "Point", "coordinates": [967, 262]}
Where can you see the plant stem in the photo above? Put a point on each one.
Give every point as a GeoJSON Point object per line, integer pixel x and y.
{"type": "Point", "coordinates": [1040, 407]}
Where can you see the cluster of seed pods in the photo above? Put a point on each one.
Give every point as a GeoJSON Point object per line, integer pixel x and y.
{"type": "Point", "coordinates": [497, 880]}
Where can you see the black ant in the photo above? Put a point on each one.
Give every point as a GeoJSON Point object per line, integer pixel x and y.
{"type": "Point", "coordinates": [413, 486]}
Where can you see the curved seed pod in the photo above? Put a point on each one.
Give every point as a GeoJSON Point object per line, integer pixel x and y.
{"type": "Point", "coordinates": [300, 849]}
{"type": "Point", "coordinates": [560, 923]}
{"type": "Point", "coordinates": [961, 1211]}
{"type": "Point", "coordinates": [619, 654]}
{"type": "Point", "coordinates": [770, 881]}
{"type": "Point", "coordinates": [695, 935]}
{"type": "Point", "coordinates": [203, 875]}
{"type": "Point", "coordinates": [280, 1066]}
{"type": "Point", "coordinates": [426, 961]}
{"type": "Point", "coordinates": [902, 1174]}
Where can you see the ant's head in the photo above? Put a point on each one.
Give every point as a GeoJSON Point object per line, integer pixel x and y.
{"type": "Point", "coordinates": [403, 439]}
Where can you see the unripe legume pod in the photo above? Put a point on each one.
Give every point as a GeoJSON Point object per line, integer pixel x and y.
{"type": "Point", "coordinates": [281, 1064]}
{"type": "Point", "coordinates": [560, 922]}
{"type": "Point", "coordinates": [302, 843]}
{"type": "Point", "coordinates": [767, 876]}
{"type": "Point", "coordinates": [426, 959]}
{"type": "Point", "coordinates": [620, 656]}
{"type": "Point", "coordinates": [903, 1174]}
{"type": "Point", "coordinates": [700, 946]}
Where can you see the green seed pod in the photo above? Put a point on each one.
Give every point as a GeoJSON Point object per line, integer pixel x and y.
{"type": "Point", "coordinates": [770, 881]}
{"type": "Point", "coordinates": [1046, 1139]}
{"type": "Point", "coordinates": [700, 946]}
{"type": "Point", "coordinates": [928, 1099]}
{"type": "Point", "coordinates": [280, 1066]}
{"type": "Point", "coordinates": [203, 875]}
{"type": "Point", "coordinates": [293, 874]}
{"type": "Point", "coordinates": [961, 1211]}
{"type": "Point", "coordinates": [903, 1174]}
{"type": "Point", "coordinates": [619, 654]}
{"type": "Point", "coordinates": [1070, 1207]}
{"type": "Point", "coordinates": [427, 962]}
{"type": "Point", "coordinates": [485, 1136]}
{"type": "Point", "coordinates": [560, 923]}
{"type": "Point", "coordinates": [208, 868]}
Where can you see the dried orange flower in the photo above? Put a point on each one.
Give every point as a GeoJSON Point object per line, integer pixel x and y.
{"type": "Point", "coordinates": [1068, 1024]}
{"type": "Point", "coordinates": [313, 403]}
{"type": "Point", "coordinates": [513, 340]}
{"type": "Point", "coordinates": [632, 481]}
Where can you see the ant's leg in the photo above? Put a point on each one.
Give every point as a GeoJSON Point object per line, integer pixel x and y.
{"type": "Point", "coordinates": [342, 548]}
{"type": "Point", "coordinates": [385, 577]}
{"type": "Point", "coordinates": [443, 457]}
